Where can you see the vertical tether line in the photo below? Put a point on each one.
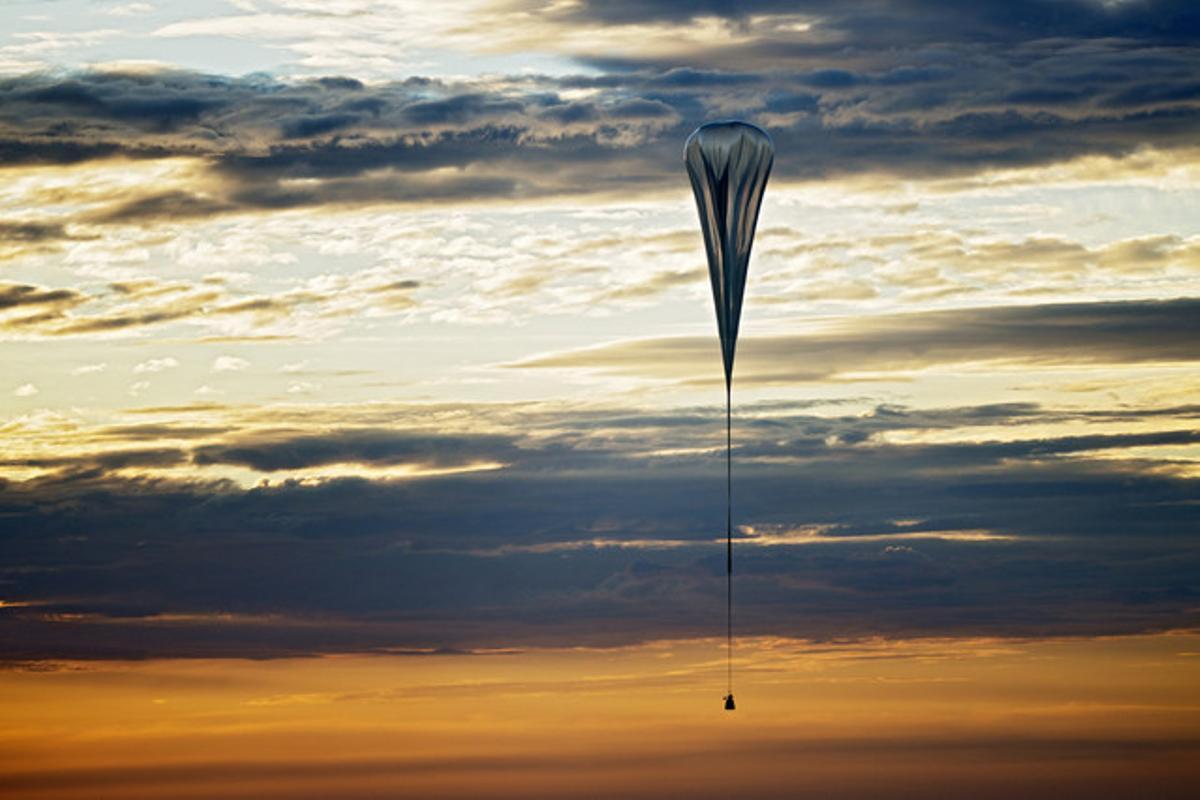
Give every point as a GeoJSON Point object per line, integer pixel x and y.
{"type": "Point", "coordinates": [729, 532]}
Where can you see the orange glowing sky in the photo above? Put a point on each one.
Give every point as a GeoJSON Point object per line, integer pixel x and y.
{"type": "Point", "coordinates": [944, 717]}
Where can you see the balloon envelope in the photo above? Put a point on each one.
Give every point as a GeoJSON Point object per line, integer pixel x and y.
{"type": "Point", "coordinates": [728, 163]}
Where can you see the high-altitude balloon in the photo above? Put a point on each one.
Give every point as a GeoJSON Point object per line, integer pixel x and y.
{"type": "Point", "coordinates": [729, 163]}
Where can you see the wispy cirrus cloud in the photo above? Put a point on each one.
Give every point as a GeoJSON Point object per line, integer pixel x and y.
{"type": "Point", "coordinates": [133, 307]}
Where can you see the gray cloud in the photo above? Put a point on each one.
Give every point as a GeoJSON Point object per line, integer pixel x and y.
{"type": "Point", "coordinates": [1116, 332]}
{"type": "Point", "coordinates": [269, 453]}
{"type": "Point", "coordinates": [559, 547]}
{"type": "Point", "coordinates": [15, 295]}
{"type": "Point", "coordinates": [911, 22]}
{"type": "Point", "coordinates": [29, 232]}
{"type": "Point", "coordinates": [912, 89]}
{"type": "Point", "coordinates": [95, 463]}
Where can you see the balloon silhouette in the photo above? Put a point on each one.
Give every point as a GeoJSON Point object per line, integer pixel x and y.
{"type": "Point", "coordinates": [728, 163]}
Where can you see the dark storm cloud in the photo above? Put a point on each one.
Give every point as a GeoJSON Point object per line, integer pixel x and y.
{"type": "Point", "coordinates": [929, 20]}
{"type": "Point", "coordinates": [159, 105]}
{"type": "Point", "coordinates": [115, 566]}
{"type": "Point", "coordinates": [1067, 333]}
{"type": "Point", "coordinates": [950, 456]}
{"type": "Point", "coordinates": [907, 88]}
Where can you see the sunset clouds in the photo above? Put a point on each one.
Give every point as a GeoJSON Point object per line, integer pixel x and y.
{"type": "Point", "coordinates": [351, 326]}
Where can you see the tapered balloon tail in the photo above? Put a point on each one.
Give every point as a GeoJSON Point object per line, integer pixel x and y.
{"type": "Point", "coordinates": [728, 164]}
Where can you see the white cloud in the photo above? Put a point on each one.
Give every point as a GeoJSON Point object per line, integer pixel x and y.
{"type": "Point", "coordinates": [297, 366]}
{"type": "Point", "coordinates": [229, 364]}
{"type": "Point", "coordinates": [156, 365]}
{"type": "Point", "coordinates": [33, 49]}
{"type": "Point", "coordinates": [26, 390]}
{"type": "Point", "coordinates": [303, 387]}
{"type": "Point", "coordinates": [128, 10]}
{"type": "Point", "coordinates": [90, 369]}
{"type": "Point", "coordinates": [139, 387]}
{"type": "Point", "coordinates": [361, 37]}
{"type": "Point", "coordinates": [206, 390]}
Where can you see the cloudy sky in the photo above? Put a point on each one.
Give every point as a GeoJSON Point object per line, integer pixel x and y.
{"type": "Point", "coordinates": [382, 326]}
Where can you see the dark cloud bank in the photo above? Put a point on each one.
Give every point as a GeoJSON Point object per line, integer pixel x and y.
{"type": "Point", "coordinates": [113, 566]}
{"type": "Point", "coordinates": [900, 88]}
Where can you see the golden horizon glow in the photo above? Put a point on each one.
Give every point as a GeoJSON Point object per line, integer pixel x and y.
{"type": "Point", "coordinates": [639, 721]}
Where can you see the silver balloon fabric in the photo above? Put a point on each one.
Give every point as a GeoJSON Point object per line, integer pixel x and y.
{"type": "Point", "coordinates": [728, 163]}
